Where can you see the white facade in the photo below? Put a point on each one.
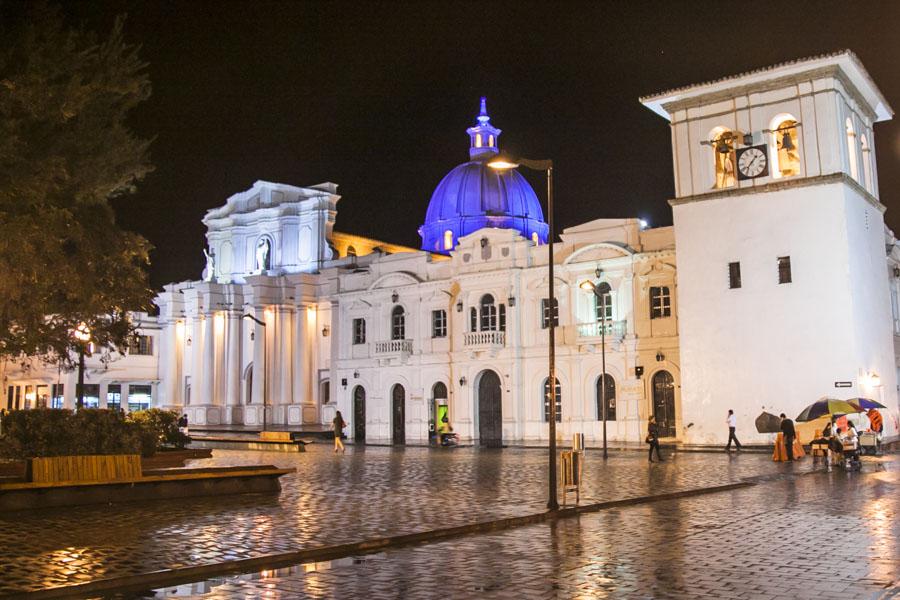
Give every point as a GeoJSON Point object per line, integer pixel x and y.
{"type": "Point", "coordinates": [293, 321]}
{"type": "Point", "coordinates": [765, 342]}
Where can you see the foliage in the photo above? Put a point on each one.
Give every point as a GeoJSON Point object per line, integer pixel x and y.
{"type": "Point", "coordinates": [56, 432]}
{"type": "Point", "coordinates": [65, 152]}
{"type": "Point", "coordinates": [163, 425]}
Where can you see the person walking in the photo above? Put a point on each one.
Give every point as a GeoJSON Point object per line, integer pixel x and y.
{"type": "Point", "coordinates": [653, 439]}
{"type": "Point", "coordinates": [789, 433]}
{"type": "Point", "coordinates": [339, 425]}
{"type": "Point", "coordinates": [732, 426]}
{"type": "Point", "coordinates": [183, 424]}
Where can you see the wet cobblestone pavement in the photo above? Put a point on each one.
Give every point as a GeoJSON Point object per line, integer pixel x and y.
{"type": "Point", "coordinates": [829, 536]}
{"type": "Point", "coordinates": [369, 492]}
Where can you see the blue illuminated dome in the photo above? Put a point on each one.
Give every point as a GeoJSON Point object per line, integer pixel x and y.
{"type": "Point", "coordinates": [473, 196]}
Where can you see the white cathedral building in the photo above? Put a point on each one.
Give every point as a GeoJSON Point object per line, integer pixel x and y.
{"type": "Point", "coordinates": [778, 284]}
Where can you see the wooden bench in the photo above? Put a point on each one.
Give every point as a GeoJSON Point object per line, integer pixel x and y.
{"type": "Point", "coordinates": [275, 436]}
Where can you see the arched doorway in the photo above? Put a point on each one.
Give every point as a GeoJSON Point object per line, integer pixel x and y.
{"type": "Point", "coordinates": [664, 403]}
{"type": "Point", "coordinates": [610, 397]}
{"type": "Point", "coordinates": [398, 415]}
{"type": "Point", "coordinates": [490, 417]}
{"type": "Point", "coordinates": [359, 414]}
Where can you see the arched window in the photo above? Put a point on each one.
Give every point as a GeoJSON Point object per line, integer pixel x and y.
{"type": "Point", "coordinates": [478, 140]}
{"type": "Point", "coordinates": [488, 313]}
{"type": "Point", "coordinates": [610, 385]}
{"type": "Point", "coordinates": [557, 393]}
{"type": "Point", "coordinates": [723, 151]}
{"type": "Point", "coordinates": [439, 391]}
{"type": "Point", "coordinates": [851, 150]}
{"type": "Point", "coordinates": [448, 240]}
{"type": "Point", "coordinates": [604, 302]}
{"type": "Point", "coordinates": [398, 323]}
{"type": "Point", "coordinates": [351, 251]}
{"type": "Point", "coordinates": [491, 141]}
{"type": "Point", "coordinates": [785, 146]}
{"type": "Point", "coordinates": [534, 238]}
{"type": "Point", "coordinates": [868, 183]}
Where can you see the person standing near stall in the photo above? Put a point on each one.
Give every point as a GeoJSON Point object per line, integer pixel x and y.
{"type": "Point", "coordinates": [789, 433]}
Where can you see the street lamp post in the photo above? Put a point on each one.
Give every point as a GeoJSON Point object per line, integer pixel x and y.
{"type": "Point", "coordinates": [265, 366]}
{"type": "Point", "coordinates": [601, 296]}
{"type": "Point", "coordinates": [504, 163]}
{"type": "Point", "coordinates": [82, 333]}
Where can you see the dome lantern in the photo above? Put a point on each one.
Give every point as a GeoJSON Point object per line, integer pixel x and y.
{"type": "Point", "coordinates": [484, 138]}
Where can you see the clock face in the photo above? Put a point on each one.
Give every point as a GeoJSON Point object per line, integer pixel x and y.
{"type": "Point", "coordinates": [752, 162]}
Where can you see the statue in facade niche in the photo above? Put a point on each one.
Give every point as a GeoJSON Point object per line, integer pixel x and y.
{"type": "Point", "coordinates": [209, 273]}
{"type": "Point", "coordinates": [262, 254]}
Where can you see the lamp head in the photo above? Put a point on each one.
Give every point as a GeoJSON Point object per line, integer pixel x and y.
{"type": "Point", "coordinates": [502, 162]}
{"type": "Point", "coordinates": [588, 285]}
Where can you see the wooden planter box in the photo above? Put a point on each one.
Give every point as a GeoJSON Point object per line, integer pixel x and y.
{"type": "Point", "coordinates": [56, 469]}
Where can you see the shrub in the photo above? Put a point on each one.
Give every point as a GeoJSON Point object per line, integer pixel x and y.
{"type": "Point", "coordinates": [55, 432]}
{"type": "Point", "coordinates": [160, 428]}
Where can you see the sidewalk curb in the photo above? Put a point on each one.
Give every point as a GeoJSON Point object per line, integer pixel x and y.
{"type": "Point", "coordinates": [171, 577]}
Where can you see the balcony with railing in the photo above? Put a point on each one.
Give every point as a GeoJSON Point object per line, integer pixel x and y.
{"type": "Point", "coordinates": [393, 347]}
{"type": "Point", "coordinates": [615, 330]}
{"type": "Point", "coordinates": [484, 339]}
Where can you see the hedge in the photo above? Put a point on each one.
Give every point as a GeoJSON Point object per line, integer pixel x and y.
{"type": "Point", "coordinates": [56, 432]}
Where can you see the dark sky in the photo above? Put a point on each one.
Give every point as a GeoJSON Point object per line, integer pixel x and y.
{"type": "Point", "coordinates": [376, 97]}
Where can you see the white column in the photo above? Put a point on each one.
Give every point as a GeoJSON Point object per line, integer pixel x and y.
{"type": "Point", "coordinates": [301, 357]}
{"type": "Point", "coordinates": [208, 361]}
{"type": "Point", "coordinates": [218, 397]}
{"type": "Point", "coordinates": [232, 362]}
{"type": "Point", "coordinates": [284, 360]}
{"type": "Point", "coordinates": [259, 363]}
{"type": "Point", "coordinates": [168, 361]}
{"type": "Point", "coordinates": [123, 398]}
{"type": "Point", "coordinates": [104, 388]}
{"type": "Point", "coordinates": [196, 333]}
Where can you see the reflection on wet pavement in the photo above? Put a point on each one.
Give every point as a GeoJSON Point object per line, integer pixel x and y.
{"type": "Point", "coordinates": [369, 492]}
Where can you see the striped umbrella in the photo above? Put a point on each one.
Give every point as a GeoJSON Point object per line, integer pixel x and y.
{"type": "Point", "coordinates": [865, 404]}
{"type": "Point", "coordinates": [827, 406]}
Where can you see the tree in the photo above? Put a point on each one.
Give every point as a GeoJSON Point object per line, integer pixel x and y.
{"type": "Point", "coordinates": [65, 152]}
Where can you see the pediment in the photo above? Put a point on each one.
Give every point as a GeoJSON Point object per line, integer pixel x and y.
{"type": "Point", "coordinates": [398, 279]}
{"type": "Point", "coordinates": [597, 252]}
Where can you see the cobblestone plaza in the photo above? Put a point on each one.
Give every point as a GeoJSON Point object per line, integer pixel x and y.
{"type": "Point", "coordinates": [378, 491]}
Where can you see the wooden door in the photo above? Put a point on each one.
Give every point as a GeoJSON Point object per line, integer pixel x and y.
{"type": "Point", "coordinates": [664, 403]}
{"type": "Point", "coordinates": [398, 417]}
{"type": "Point", "coordinates": [359, 415]}
{"type": "Point", "coordinates": [490, 417]}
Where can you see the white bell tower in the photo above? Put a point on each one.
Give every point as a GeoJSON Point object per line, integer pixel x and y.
{"type": "Point", "coordinates": [780, 243]}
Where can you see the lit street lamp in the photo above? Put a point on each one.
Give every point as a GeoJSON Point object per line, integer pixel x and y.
{"type": "Point", "coordinates": [264, 367]}
{"type": "Point", "coordinates": [82, 333]}
{"type": "Point", "coordinates": [503, 163]}
{"type": "Point", "coordinates": [601, 293]}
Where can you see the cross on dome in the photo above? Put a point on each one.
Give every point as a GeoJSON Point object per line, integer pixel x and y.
{"type": "Point", "coordinates": [484, 138]}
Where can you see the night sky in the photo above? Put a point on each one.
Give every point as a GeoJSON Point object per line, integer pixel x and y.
{"type": "Point", "coordinates": [376, 97]}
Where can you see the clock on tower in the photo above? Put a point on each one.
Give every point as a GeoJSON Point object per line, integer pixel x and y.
{"type": "Point", "coordinates": [752, 162]}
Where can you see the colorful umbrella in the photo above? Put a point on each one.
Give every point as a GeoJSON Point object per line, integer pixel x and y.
{"type": "Point", "coordinates": [826, 406]}
{"type": "Point", "coordinates": [865, 404]}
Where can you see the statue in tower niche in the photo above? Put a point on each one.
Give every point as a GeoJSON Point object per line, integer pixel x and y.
{"type": "Point", "coordinates": [209, 273]}
{"type": "Point", "coordinates": [262, 255]}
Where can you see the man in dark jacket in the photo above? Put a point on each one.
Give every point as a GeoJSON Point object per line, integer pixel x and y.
{"type": "Point", "coordinates": [787, 428]}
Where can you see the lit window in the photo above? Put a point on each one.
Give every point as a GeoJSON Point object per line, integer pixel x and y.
{"type": "Point", "coordinates": [660, 302]}
{"type": "Point", "coordinates": [359, 331]}
{"type": "Point", "coordinates": [438, 323]}
{"type": "Point", "coordinates": [478, 140]}
{"type": "Point", "coordinates": [448, 240]}
{"type": "Point", "coordinates": [91, 395]}
{"type": "Point", "coordinates": [545, 313]}
{"type": "Point", "coordinates": [851, 150]}
{"type": "Point", "coordinates": [557, 393]}
{"type": "Point", "coordinates": [491, 141]}
{"type": "Point", "coordinates": [723, 151]}
{"type": "Point", "coordinates": [787, 149]}
{"type": "Point", "coordinates": [867, 164]}
{"type": "Point", "coordinates": [784, 269]}
{"type": "Point", "coordinates": [734, 275]}
{"type": "Point", "coordinates": [603, 303]}
{"type": "Point", "coordinates": [57, 395]}
{"type": "Point", "coordinates": [488, 313]}
{"type": "Point", "coordinates": [139, 397]}
{"type": "Point", "coordinates": [534, 238]}
{"type": "Point", "coordinates": [141, 345]}
{"type": "Point", "coordinates": [114, 396]}
{"type": "Point", "coordinates": [398, 323]}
